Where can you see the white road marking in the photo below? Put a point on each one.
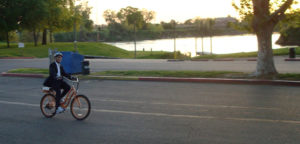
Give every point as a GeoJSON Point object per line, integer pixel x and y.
{"type": "Point", "coordinates": [170, 115]}
{"type": "Point", "coordinates": [153, 114]}
{"type": "Point", "coordinates": [20, 103]}
{"type": "Point", "coordinates": [188, 105]}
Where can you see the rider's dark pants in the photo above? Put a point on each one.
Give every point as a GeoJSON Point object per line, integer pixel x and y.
{"type": "Point", "coordinates": [57, 86]}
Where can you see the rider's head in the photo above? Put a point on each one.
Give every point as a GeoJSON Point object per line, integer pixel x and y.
{"type": "Point", "coordinates": [58, 57]}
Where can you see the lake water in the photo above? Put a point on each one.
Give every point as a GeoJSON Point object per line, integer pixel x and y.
{"type": "Point", "coordinates": [220, 44]}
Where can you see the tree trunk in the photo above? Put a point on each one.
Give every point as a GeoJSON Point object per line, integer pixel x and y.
{"type": "Point", "coordinates": [51, 40]}
{"type": "Point", "coordinates": [35, 37]}
{"type": "Point", "coordinates": [7, 39]}
{"type": "Point", "coordinates": [44, 41]}
{"type": "Point", "coordinates": [265, 63]}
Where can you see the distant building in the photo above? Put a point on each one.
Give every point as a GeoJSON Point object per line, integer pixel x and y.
{"type": "Point", "coordinates": [223, 21]}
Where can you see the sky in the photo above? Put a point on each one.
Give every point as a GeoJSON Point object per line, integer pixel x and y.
{"type": "Point", "coordinates": [179, 10]}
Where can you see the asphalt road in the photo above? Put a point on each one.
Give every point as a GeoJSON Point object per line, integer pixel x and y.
{"type": "Point", "coordinates": [137, 64]}
{"type": "Point", "coordinates": [154, 112]}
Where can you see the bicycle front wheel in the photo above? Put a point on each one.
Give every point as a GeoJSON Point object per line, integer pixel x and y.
{"type": "Point", "coordinates": [47, 105]}
{"type": "Point", "coordinates": [80, 107]}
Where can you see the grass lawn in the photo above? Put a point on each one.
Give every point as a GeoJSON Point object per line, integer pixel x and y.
{"type": "Point", "coordinates": [276, 52]}
{"type": "Point", "coordinates": [84, 48]}
{"type": "Point", "coordinates": [30, 71]}
{"type": "Point", "coordinates": [205, 74]}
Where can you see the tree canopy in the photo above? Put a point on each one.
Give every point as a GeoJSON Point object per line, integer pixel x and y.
{"type": "Point", "coordinates": [38, 15]}
{"type": "Point", "coordinates": [10, 16]}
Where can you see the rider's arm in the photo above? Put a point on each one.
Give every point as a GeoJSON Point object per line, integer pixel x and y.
{"type": "Point", "coordinates": [52, 71]}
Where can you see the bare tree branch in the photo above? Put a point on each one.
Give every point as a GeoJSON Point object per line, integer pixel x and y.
{"type": "Point", "coordinates": [279, 14]}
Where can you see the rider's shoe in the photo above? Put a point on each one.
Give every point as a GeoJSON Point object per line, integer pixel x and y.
{"type": "Point", "coordinates": [60, 110]}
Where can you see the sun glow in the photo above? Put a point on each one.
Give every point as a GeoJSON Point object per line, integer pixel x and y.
{"type": "Point", "coordinates": [179, 10]}
{"type": "Point", "coordinates": [166, 10]}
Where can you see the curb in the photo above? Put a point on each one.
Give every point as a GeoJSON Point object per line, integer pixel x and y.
{"type": "Point", "coordinates": [175, 60]}
{"type": "Point", "coordinates": [224, 81]}
{"type": "Point", "coordinates": [254, 59]}
{"type": "Point", "coordinates": [174, 79]}
{"type": "Point", "coordinates": [199, 59]}
{"type": "Point", "coordinates": [292, 59]}
{"type": "Point", "coordinates": [224, 60]}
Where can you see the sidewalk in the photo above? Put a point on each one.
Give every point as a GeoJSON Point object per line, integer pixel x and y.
{"type": "Point", "coordinates": [97, 65]}
{"type": "Point", "coordinates": [238, 65]}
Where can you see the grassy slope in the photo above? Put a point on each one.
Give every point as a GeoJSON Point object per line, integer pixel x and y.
{"type": "Point", "coordinates": [85, 48]}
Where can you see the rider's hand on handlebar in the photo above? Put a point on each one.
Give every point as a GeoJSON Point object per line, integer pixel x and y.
{"type": "Point", "coordinates": [59, 78]}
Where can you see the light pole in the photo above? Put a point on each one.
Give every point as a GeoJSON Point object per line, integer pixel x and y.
{"type": "Point", "coordinates": [174, 40]}
{"type": "Point", "coordinates": [196, 46]}
{"type": "Point", "coordinates": [135, 39]}
{"type": "Point", "coordinates": [75, 32]}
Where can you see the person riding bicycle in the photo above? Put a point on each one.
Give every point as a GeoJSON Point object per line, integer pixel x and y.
{"type": "Point", "coordinates": [55, 80]}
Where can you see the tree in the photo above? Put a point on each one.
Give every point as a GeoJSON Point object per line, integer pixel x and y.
{"type": "Point", "coordinates": [148, 15]}
{"type": "Point", "coordinates": [35, 13]}
{"type": "Point", "coordinates": [290, 23]}
{"type": "Point", "coordinates": [264, 15]}
{"type": "Point", "coordinates": [188, 22]}
{"type": "Point", "coordinates": [133, 17]}
{"type": "Point", "coordinates": [86, 25]}
{"type": "Point", "coordinates": [113, 22]}
{"type": "Point", "coordinates": [110, 16]}
{"type": "Point", "coordinates": [290, 29]}
{"type": "Point", "coordinates": [126, 21]}
{"type": "Point", "coordinates": [57, 17]}
{"type": "Point", "coordinates": [10, 17]}
{"type": "Point", "coordinates": [166, 25]}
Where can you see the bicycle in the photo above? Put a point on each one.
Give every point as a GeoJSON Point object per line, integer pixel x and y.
{"type": "Point", "coordinates": [80, 105]}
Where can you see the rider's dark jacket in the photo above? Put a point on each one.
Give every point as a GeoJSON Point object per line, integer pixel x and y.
{"type": "Point", "coordinates": [51, 80]}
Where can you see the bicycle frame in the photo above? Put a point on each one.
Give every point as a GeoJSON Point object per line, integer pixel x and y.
{"type": "Point", "coordinates": [71, 93]}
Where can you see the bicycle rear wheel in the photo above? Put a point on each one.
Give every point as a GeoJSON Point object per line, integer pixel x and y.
{"type": "Point", "coordinates": [47, 105]}
{"type": "Point", "coordinates": [80, 107]}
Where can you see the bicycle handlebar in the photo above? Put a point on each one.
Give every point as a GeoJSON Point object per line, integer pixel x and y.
{"type": "Point", "coordinates": [77, 80]}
